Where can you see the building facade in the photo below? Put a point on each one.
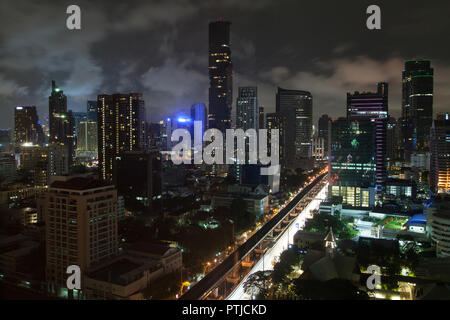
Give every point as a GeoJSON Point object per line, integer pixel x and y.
{"type": "Point", "coordinates": [247, 112]}
{"type": "Point", "coordinates": [81, 226]}
{"type": "Point", "coordinates": [324, 131]}
{"type": "Point", "coordinates": [27, 127]}
{"type": "Point", "coordinates": [373, 106]}
{"type": "Point", "coordinates": [121, 127]}
{"type": "Point", "coordinates": [220, 76]}
{"type": "Point", "coordinates": [134, 177]}
{"type": "Point", "coordinates": [440, 154]}
{"type": "Point", "coordinates": [295, 110]}
{"type": "Point", "coordinates": [352, 163]}
{"type": "Point", "coordinates": [417, 106]}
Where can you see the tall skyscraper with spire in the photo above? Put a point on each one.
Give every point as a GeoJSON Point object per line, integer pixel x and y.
{"type": "Point", "coordinates": [220, 76]}
{"type": "Point", "coordinates": [62, 122]}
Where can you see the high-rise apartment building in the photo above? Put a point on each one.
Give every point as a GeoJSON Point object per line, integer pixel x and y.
{"type": "Point", "coordinates": [81, 226]}
{"type": "Point", "coordinates": [121, 127]}
{"type": "Point", "coordinates": [220, 76]}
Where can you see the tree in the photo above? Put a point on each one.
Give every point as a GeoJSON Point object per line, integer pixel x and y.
{"type": "Point", "coordinates": [284, 267]}
{"type": "Point", "coordinates": [322, 221]}
{"type": "Point", "coordinates": [258, 284]}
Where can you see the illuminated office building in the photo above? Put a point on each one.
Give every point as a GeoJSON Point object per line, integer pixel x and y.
{"type": "Point", "coordinates": [417, 106]}
{"type": "Point", "coordinates": [87, 139]}
{"type": "Point", "coordinates": [27, 127]}
{"type": "Point", "coordinates": [440, 154]}
{"type": "Point", "coordinates": [247, 112]}
{"type": "Point", "coordinates": [352, 165]}
{"type": "Point", "coordinates": [374, 107]}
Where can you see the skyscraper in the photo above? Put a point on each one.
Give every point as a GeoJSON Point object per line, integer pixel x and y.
{"type": "Point", "coordinates": [247, 112]}
{"type": "Point", "coordinates": [57, 102]}
{"type": "Point", "coordinates": [27, 127]}
{"type": "Point", "coordinates": [62, 121]}
{"type": "Point", "coordinates": [440, 154]}
{"type": "Point", "coordinates": [274, 121]}
{"type": "Point", "coordinates": [220, 76]}
{"type": "Point", "coordinates": [262, 120]}
{"type": "Point", "coordinates": [134, 177]}
{"type": "Point", "coordinates": [352, 166]}
{"type": "Point", "coordinates": [5, 140]}
{"type": "Point", "coordinates": [87, 140]}
{"type": "Point", "coordinates": [393, 136]}
{"type": "Point", "coordinates": [373, 106]}
{"type": "Point", "coordinates": [417, 106]}
{"type": "Point", "coordinates": [199, 112]}
{"type": "Point", "coordinates": [247, 117]}
{"type": "Point", "coordinates": [121, 127]}
{"type": "Point", "coordinates": [79, 117]}
{"type": "Point", "coordinates": [92, 110]}
{"type": "Point", "coordinates": [295, 110]}
{"type": "Point", "coordinates": [324, 131]}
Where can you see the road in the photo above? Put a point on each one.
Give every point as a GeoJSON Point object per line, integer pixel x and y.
{"type": "Point", "coordinates": [282, 244]}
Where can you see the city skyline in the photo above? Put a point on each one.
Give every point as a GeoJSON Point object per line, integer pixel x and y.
{"type": "Point", "coordinates": [176, 75]}
{"type": "Point", "coordinates": [191, 150]}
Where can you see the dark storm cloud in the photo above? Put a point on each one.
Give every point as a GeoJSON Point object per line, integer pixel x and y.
{"type": "Point", "coordinates": [160, 48]}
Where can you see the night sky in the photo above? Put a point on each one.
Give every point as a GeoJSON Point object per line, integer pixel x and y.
{"type": "Point", "coordinates": [160, 48]}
